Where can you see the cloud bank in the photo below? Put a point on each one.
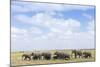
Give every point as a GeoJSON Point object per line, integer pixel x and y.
{"type": "Point", "coordinates": [46, 31]}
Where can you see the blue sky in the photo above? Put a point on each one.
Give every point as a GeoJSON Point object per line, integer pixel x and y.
{"type": "Point", "coordinates": [44, 26]}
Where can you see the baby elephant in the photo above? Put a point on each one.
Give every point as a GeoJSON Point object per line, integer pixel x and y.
{"type": "Point", "coordinates": [87, 55]}
{"type": "Point", "coordinates": [26, 57]}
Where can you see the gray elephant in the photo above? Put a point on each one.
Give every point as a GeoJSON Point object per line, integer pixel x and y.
{"type": "Point", "coordinates": [26, 57]}
{"type": "Point", "coordinates": [87, 55]}
{"type": "Point", "coordinates": [61, 55]}
{"type": "Point", "coordinates": [46, 56]}
{"type": "Point", "coordinates": [77, 53]}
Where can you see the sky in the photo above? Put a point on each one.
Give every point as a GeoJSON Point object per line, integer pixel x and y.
{"type": "Point", "coordinates": [49, 26]}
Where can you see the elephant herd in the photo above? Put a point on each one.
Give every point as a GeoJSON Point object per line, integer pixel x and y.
{"type": "Point", "coordinates": [56, 55]}
{"type": "Point", "coordinates": [80, 54]}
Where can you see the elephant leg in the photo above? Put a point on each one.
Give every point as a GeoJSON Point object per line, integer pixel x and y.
{"type": "Point", "coordinates": [25, 58]}
{"type": "Point", "coordinates": [75, 56]}
{"type": "Point", "coordinates": [79, 56]}
{"type": "Point", "coordinates": [29, 58]}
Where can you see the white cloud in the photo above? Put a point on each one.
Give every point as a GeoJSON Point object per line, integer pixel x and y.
{"type": "Point", "coordinates": [87, 16]}
{"type": "Point", "coordinates": [62, 33]}
{"type": "Point", "coordinates": [51, 41]}
{"type": "Point", "coordinates": [23, 18]}
{"type": "Point", "coordinates": [18, 34]}
{"type": "Point", "coordinates": [35, 30]}
{"type": "Point", "coordinates": [15, 30]}
{"type": "Point", "coordinates": [46, 7]}
{"type": "Point", "coordinates": [16, 8]}
{"type": "Point", "coordinates": [55, 26]}
{"type": "Point", "coordinates": [91, 25]}
{"type": "Point", "coordinates": [45, 20]}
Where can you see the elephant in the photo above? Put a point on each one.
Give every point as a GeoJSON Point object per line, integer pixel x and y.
{"type": "Point", "coordinates": [87, 55]}
{"type": "Point", "coordinates": [55, 57]}
{"type": "Point", "coordinates": [77, 53]}
{"type": "Point", "coordinates": [26, 57]}
{"type": "Point", "coordinates": [36, 56]}
{"type": "Point", "coordinates": [61, 55]}
{"type": "Point", "coordinates": [46, 56]}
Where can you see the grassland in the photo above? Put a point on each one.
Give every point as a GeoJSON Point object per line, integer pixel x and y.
{"type": "Point", "coordinates": [16, 58]}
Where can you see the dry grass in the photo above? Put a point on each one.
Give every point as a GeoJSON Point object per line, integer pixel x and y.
{"type": "Point", "coordinates": [16, 59]}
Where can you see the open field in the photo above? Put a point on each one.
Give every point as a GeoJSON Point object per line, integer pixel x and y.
{"type": "Point", "coordinates": [16, 58]}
